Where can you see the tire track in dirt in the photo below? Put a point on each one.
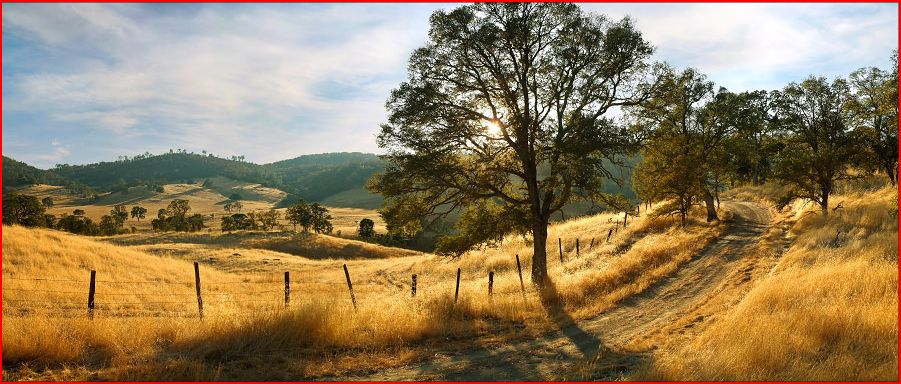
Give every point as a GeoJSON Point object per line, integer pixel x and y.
{"type": "Point", "coordinates": [556, 356]}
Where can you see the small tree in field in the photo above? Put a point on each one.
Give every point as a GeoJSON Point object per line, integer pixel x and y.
{"type": "Point", "coordinates": [299, 214]}
{"type": "Point", "coordinates": [138, 212]}
{"type": "Point", "coordinates": [505, 108]}
{"type": "Point", "coordinates": [367, 228]}
{"type": "Point", "coordinates": [47, 202]}
{"type": "Point", "coordinates": [321, 220]}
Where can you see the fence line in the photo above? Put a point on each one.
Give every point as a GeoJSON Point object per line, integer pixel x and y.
{"type": "Point", "coordinates": [97, 303]}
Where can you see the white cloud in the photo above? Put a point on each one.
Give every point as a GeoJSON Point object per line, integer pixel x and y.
{"type": "Point", "coordinates": [58, 151]}
{"type": "Point", "coordinates": [275, 81]}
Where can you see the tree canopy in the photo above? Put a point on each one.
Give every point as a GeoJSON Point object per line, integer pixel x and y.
{"type": "Point", "coordinates": [507, 105]}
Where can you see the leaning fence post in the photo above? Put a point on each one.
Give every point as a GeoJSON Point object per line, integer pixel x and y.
{"type": "Point", "coordinates": [287, 288]}
{"type": "Point", "coordinates": [577, 247]}
{"type": "Point", "coordinates": [610, 232]}
{"type": "Point", "coordinates": [413, 286]}
{"type": "Point", "coordinates": [197, 285]}
{"type": "Point", "coordinates": [590, 246]}
{"type": "Point", "coordinates": [560, 247]}
{"type": "Point", "coordinates": [350, 287]}
{"type": "Point", "coordinates": [91, 289]}
{"type": "Point", "coordinates": [457, 290]}
{"type": "Point", "coordinates": [519, 269]}
{"type": "Point", "coordinates": [490, 283]}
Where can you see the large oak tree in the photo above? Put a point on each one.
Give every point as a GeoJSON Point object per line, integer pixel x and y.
{"type": "Point", "coordinates": [506, 113]}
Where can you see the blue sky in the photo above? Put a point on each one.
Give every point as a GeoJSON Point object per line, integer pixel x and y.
{"type": "Point", "coordinates": [89, 82]}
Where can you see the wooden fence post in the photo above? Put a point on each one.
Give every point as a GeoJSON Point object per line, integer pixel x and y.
{"type": "Point", "coordinates": [457, 290]}
{"type": "Point", "coordinates": [287, 288]}
{"type": "Point", "coordinates": [490, 283]}
{"type": "Point", "coordinates": [560, 247]}
{"type": "Point", "coordinates": [577, 247]}
{"type": "Point", "coordinates": [413, 286]}
{"type": "Point", "coordinates": [350, 287]}
{"type": "Point", "coordinates": [625, 219]}
{"type": "Point", "coordinates": [519, 269]}
{"type": "Point", "coordinates": [91, 290]}
{"type": "Point", "coordinates": [610, 232]}
{"type": "Point", "coordinates": [197, 285]}
{"type": "Point", "coordinates": [590, 246]}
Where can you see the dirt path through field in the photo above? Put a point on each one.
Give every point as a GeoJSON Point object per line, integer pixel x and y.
{"type": "Point", "coordinates": [601, 338]}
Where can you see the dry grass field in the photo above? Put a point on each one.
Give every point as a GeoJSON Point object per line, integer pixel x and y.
{"type": "Point", "coordinates": [826, 310]}
{"type": "Point", "coordinates": [146, 324]}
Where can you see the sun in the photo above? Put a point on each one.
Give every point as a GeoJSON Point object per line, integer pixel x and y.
{"type": "Point", "coordinates": [492, 128]}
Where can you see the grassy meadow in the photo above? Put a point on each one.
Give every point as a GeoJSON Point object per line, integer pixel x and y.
{"type": "Point", "coordinates": [146, 324]}
{"type": "Point", "coordinates": [826, 310]}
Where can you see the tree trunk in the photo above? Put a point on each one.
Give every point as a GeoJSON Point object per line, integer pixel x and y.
{"type": "Point", "coordinates": [711, 206]}
{"type": "Point", "coordinates": [824, 201]}
{"type": "Point", "coordinates": [539, 255]}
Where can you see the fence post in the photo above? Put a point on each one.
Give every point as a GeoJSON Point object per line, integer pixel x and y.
{"type": "Point", "coordinates": [457, 290]}
{"type": "Point", "coordinates": [287, 288]}
{"type": "Point", "coordinates": [350, 287]}
{"type": "Point", "coordinates": [577, 247]}
{"type": "Point", "coordinates": [590, 246]}
{"type": "Point", "coordinates": [519, 269]}
{"type": "Point", "coordinates": [490, 283]}
{"type": "Point", "coordinates": [610, 232]}
{"type": "Point", "coordinates": [625, 219]}
{"type": "Point", "coordinates": [197, 285]}
{"type": "Point", "coordinates": [413, 286]}
{"type": "Point", "coordinates": [560, 247]}
{"type": "Point", "coordinates": [91, 290]}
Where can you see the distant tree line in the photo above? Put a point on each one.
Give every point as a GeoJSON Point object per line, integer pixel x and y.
{"type": "Point", "coordinates": [698, 139]}
{"type": "Point", "coordinates": [29, 211]}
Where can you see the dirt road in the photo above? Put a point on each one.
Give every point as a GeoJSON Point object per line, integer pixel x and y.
{"type": "Point", "coordinates": [599, 340]}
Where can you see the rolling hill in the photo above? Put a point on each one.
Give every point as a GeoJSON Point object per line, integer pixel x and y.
{"type": "Point", "coordinates": [335, 177]}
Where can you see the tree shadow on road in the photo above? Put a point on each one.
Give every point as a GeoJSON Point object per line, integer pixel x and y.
{"type": "Point", "coordinates": [587, 343]}
{"type": "Point", "coordinates": [598, 361]}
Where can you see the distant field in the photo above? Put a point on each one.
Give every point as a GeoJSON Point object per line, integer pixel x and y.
{"type": "Point", "coordinates": [208, 201]}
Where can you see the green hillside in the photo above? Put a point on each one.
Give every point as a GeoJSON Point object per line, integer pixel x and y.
{"type": "Point", "coordinates": [338, 178]}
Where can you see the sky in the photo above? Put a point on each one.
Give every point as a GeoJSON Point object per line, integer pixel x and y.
{"type": "Point", "coordinates": [89, 82]}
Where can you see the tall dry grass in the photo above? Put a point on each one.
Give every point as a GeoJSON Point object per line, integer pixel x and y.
{"type": "Point", "coordinates": [320, 333]}
{"type": "Point", "coordinates": [827, 311]}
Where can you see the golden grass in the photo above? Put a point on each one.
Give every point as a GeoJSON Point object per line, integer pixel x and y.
{"type": "Point", "coordinates": [320, 333]}
{"type": "Point", "coordinates": [827, 311]}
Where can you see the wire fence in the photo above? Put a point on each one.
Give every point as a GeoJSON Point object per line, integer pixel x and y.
{"type": "Point", "coordinates": [132, 298]}
{"type": "Point", "coordinates": [112, 298]}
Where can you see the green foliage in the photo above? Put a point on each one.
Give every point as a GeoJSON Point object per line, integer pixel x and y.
{"type": "Point", "coordinates": [78, 224]}
{"type": "Point", "coordinates": [235, 196]}
{"type": "Point", "coordinates": [508, 102]}
{"type": "Point", "coordinates": [819, 147]}
{"type": "Point", "coordinates": [686, 123]}
{"type": "Point", "coordinates": [233, 206]}
{"type": "Point", "coordinates": [874, 110]}
{"type": "Point", "coordinates": [239, 222]}
{"type": "Point", "coordinates": [23, 210]}
{"type": "Point", "coordinates": [310, 217]}
{"type": "Point", "coordinates": [268, 219]}
{"type": "Point", "coordinates": [175, 218]}
{"type": "Point", "coordinates": [138, 212]}
{"type": "Point", "coordinates": [367, 228]}
{"type": "Point", "coordinates": [321, 220]}
{"type": "Point", "coordinates": [483, 223]}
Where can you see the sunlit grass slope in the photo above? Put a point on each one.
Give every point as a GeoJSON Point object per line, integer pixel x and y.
{"type": "Point", "coordinates": [146, 324]}
{"type": "Point", "coordinates": [827, 311]}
